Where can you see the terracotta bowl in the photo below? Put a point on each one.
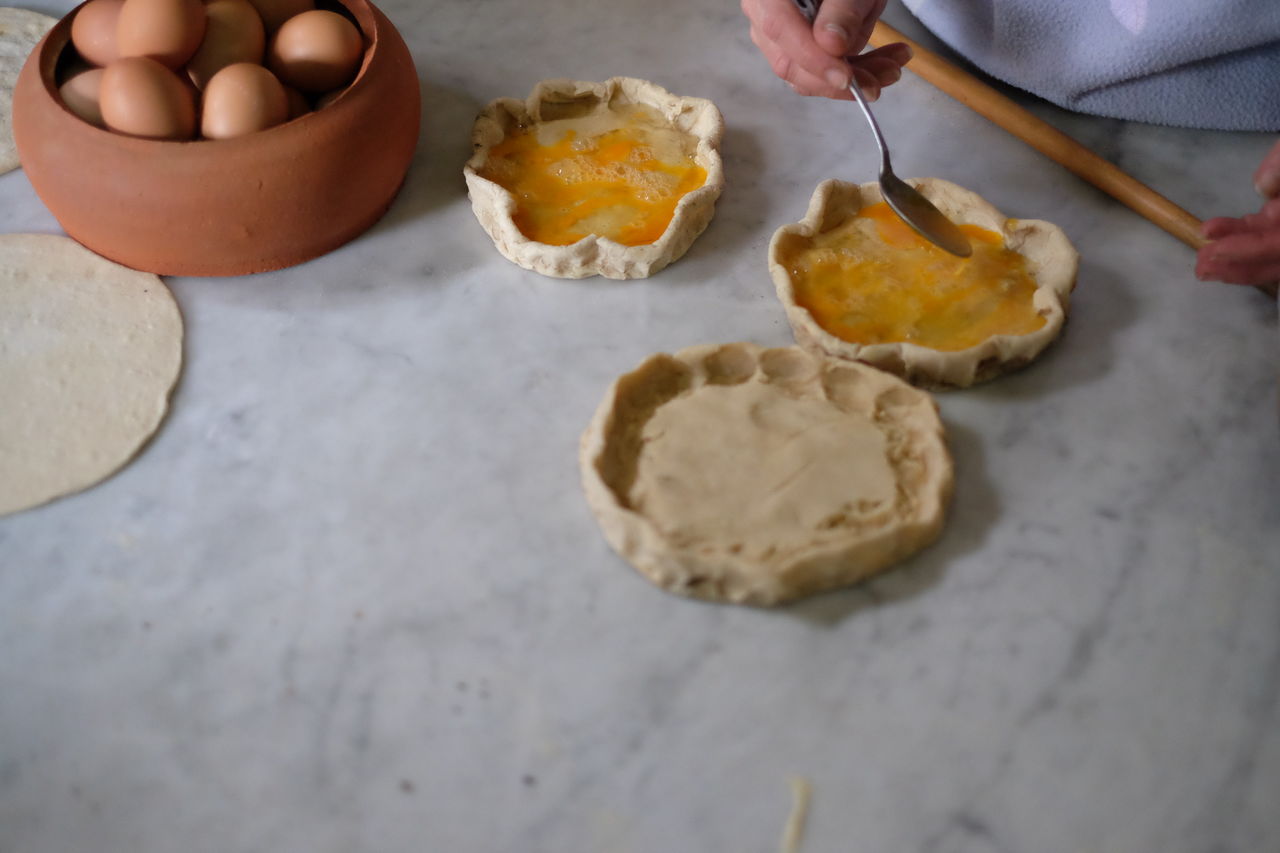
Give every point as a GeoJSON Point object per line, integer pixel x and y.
{"type": "Point", "coordinates": [225, 207]}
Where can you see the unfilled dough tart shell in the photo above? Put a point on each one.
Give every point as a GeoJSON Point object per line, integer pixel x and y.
{"type": "Point", "coordinates": [1051, 261]}
{"type": "Point", "coordinates": [495, 207]}
{"type": "Point", "coordinates": [740, 474]}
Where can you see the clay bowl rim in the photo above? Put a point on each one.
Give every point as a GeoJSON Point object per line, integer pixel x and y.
{"type": "Point", "coordinates": [50, 55]}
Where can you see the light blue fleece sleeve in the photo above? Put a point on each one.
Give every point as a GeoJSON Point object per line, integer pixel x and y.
{"type": "Point", "coordinates": [1191, 63]}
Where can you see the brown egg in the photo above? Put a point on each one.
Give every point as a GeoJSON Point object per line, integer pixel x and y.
{"type": "Point", "coordinates": [242, 98]}
{"type": "Point", "coordinates": [233, 33]}
{"type": "Point", "coordinates": [141, 97]}
{"type": "Point", "coordinates": [298, 103]}
{"type": "Point", "coordinates": [328, 98]}
{"type": "Point", "coordinates": [80, 95]}
{"type": "Point", "coordinates": [276, 12]}
{"type": "Point", "coordinates": [93, 31]}
{"type": "Point", "coordinates": [316, 51]}
{"type": "Point", "coordinates": [168, 31]}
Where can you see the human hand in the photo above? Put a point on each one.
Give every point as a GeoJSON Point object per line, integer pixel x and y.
{"type": "Point", "coordinates": [1247, 250]}
{"type": "Point", "coordinates": [820, 58]}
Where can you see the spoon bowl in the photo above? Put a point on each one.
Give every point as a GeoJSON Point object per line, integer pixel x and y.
{"type": "Point", "coordinates": [902, 198]}
{"type": "Point", "coordinates": [906, 201]}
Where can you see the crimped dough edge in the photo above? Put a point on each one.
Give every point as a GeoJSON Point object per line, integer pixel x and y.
{"type": "Point", "coordinates": [1051, 259]}
{"type": "Point", "coordinates": [907, 416]}
{"type": "Point", "coordinates": [495, 207]}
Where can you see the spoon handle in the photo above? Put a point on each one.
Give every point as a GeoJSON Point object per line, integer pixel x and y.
{"type": "Point", "coordinates": [1046, 139]}
{"type": "Point", "coordinates": [809, 8]}
{"type": "Point", "coordinates": [885, 167]}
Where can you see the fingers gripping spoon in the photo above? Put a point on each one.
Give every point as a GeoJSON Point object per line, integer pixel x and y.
{"type": "Point", "coordinates": [911, 207]}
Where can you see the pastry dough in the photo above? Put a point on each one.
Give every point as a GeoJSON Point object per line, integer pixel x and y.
{"type": "Point", "coordinates": [932, 319]}
{"type": "Point", "coordinates": [793, 833]}
{"type": "Point", "coordinates": [749, 475]}
{"type": "Point", "coordinates": [89, 351]}
{"type": "Point", "coordinates": [624, 157]}
{"type": "Point", "coordinates": [20, 31]}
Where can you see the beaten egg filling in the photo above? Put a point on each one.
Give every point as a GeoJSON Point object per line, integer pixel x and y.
{"type": "Point", "coordinates": [873, 280]}
{"type": "Point", "coordinates": [617, 173]}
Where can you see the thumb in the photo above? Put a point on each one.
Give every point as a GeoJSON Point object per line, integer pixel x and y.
{"type": "Point", "coordinates": [1267, 178]}
{"type": "Point", "coordinates": [843, 26]}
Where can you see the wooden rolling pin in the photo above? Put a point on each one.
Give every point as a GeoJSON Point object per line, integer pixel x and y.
{"type": "Point", "coordinates": [1045, 138]}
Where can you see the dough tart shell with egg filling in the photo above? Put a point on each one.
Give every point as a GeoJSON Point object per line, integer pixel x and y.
{"type": "Point", "coordinates": [859, 284]}
{"type": "Point", "coordinates": [614, 179]}
{"type": "Point", "coordinates": [740, 474]}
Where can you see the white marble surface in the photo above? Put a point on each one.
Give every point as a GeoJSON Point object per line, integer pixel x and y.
{"type": "Point", "coordinates": [350, 599]}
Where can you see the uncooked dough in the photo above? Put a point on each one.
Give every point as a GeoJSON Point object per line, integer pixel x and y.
{"type": "Point", "coordinates": [793, 833]}
{"type": "Point", "coordinates": [89, 352]}
{"type": "Point", "coordinates": [582, 105]}
{"type": "Point", "coordinates": [20, 31]}
{"type": "Point", "coordinates": [749, 475]}
{"type": "Point", "coordinates": [1051, 261]}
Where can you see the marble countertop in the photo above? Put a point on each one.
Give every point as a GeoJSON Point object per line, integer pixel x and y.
{"type": "Point", "coordinates": [351, 598]}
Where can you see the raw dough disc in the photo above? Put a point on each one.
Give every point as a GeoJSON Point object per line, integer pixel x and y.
{"type": "Point", "coordinates": [20, 32]}
{"type": "Point", "coordinates": [736, 473]}
{"type": "Point", "coordinates": [89, 351]}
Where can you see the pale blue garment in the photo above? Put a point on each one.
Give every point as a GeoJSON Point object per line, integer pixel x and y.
{"type": "Point", "coordinates": [1192, 63]}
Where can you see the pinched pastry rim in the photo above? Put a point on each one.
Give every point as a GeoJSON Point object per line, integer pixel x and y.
{"type": "Point", "coordinates": [835, 555]}
{"type": "Point", "coordinates": [595, 255]}
{"type": "Point", "coordinates": [1051, 260]}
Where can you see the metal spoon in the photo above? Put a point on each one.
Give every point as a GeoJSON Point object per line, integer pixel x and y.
{"type": "Point", "coordinates": [911, 207]}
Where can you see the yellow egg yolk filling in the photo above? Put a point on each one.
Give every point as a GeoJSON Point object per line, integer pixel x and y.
{"type": "Point", "coordinates": [873, 280]}
{"type": "Point", "coordinates": [618, 175]}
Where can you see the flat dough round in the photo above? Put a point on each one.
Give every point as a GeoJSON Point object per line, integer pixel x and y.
{"type": "Point", "coordinates": [20, 31]}
{"type": "Point", "coordinates": [89, 352]}
{"type": "Point", "coordinates": [1052, 263]}
{"type": "Point", "coordinates": [555, 100]}
{"type": "Point", "coordinates": [749, 475]}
